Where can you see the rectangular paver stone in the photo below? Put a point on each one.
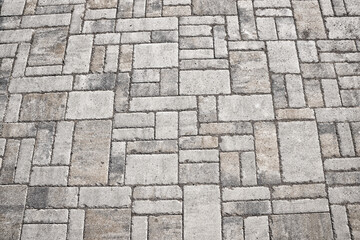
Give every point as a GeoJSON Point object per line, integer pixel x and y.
{"type": "Point", "coordinates": [40, 107]}
{"type": "Point", "coordinates": [151, 169]}
{"type": "Point", "coordinates": [78, 54]}
{"type": "Point", "coordinates": [107, 224]}
{"type": "Point", "coordinates": [300, 152]}
{"type": "Point", "coordinates": [245, 108]}
{"type": "Point", "coordinates": [90, 153]}
{"type": "Point", "coordinates": [105, 197]}
{"type": "Point", "coordinates": [202, 203]}
{"type": "Point", "coordinates": [301, 226]}
{"type": "Point", "coordinates": [90, 105]}
{"type": "Point", "coordinates": [249, 72]}
{"type": "Point", "coordinates": [198, 82]}
{"type": "Point", "coordinates": [156, 55]}
{"type": "Point", "coordinates": [344, 27]}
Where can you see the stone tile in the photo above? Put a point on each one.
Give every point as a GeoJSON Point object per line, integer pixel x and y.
{"type": "Point", "coordinates": [233, 228]}
{"type": "Point", "coordinates": [218, 128]}
{"type": "Point", "coordinates": [158, 146]}
{"type": "Point", "coordinates": [249, 72]}
{"type": "Point", "coordinates": [78, 54]}
{"type": "Point", "coordinates": [52, 197]}
{"type": "Point", "coordinates": [156, 55]}
{"type": "Point", "coordinates": [46, 216]}
{"type": "Point", "coordinates": [237, 143]}
{"type": "Point", "coordinates": [345, 194]}
{"type": "Point", "coordinates": [12, 7]}
{"type": "Point", "coordinates": [147, 24]}
{"type": "Point", "coordinates": [95, 82]}
{"type": "Point", "coordinates": [163, 103]}
{"type": "Point", "coordinates": [354, 216]}
{"type": "Point", "coordinates": [139, 227]}
{"type": "Point", "coordinates": [157, 207]}
{"type": "Point", "coordinates": [241, 208]}
{"type": "Point", "coordinates": [8, 167]}
{"type": "Point", "coordinates": [202, 203]}
{"type": "Point", "coordinates": [107, 223]}
{"type": "Point", "coordinates": [298, 191]}
{"type": "Point", "coordinates": [76, 224]}
{"type": "Point", "coordinates": [43, 107]}
{"type": "Point", "coordinates": [151, 169]}
{"type": "Point", "coordinates": [256, 228]}
{"type": "Point", "coordinates": [90, 105]}
{"type": "Point", "coordinates": [90, 153]}
{"type": "Point", "coordinates": [294, 138]}
{"type": "Point", "coordinates": [49, 20]}
{"type": "Point", "coordinates": [165, 227]}
{"type": "Point", "coordinates": [346, 26]}
{"type": "Point", "coordinates": [41, 84]}
{"type": "Point", "coordinates": [309, 21]}
{"type": "Point", "coordinates": [206, 82]}
{"type": "Point", "coordinates": [267, 156]}
{"type": "Point", "coordinates": [212, 7]}
{"type": "Point", "coordinates": [245, 108]}
{"type": "Point", "coordinates": [157, 192]}
{"type": "Point", "coordinates": [53, 176]}
{"type": "Point", "coordinates": [301, 226]}
{"type": "Point", "coordinates": [12, 205]}
{"type": "Point", "coordinates": [283, 57]}
{"type": "Point", "coordinates": [43, 50]}
{"type": "Point", "coordinates": [105, 197]}
{"type": "Point", "coordinates": [197, 173]}
{"type": "Point", "coordinates": [43, 231]}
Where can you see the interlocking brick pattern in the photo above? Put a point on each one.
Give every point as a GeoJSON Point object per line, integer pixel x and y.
{"type": "Point", "coordinates": [180, 119]}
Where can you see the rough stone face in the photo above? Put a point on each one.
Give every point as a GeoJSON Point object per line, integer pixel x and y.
{"type": "Point", "coordinates": [91, 152]}
{"type": "Point", "coordinates": [40, 107]}
{"type": "Point", "coordinates": [340, 27]}
{"type": "Point", "coordinates": [213, 7]}
{"type": "Point", "coordinates": [156, 55]}
{"type": "Point", "coordinates": [249, 72]}
{"type": "Point", "coordinates": [299, 165]}
{"type": "Point", "coordinates": [309, 22]}
{"type": "Point", "coordinates": [44, 51]}
{"type": "Point", "coordinates": [107, 223]}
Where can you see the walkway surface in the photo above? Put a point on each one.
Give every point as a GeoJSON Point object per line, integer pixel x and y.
{"type": "Point", "coordinates": [180, 119]}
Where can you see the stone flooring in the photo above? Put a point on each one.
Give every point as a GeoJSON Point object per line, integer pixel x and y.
{"type": "Point", "coordinates": [180, 119]}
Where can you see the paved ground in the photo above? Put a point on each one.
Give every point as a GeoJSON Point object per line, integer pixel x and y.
{"type": "Point", "coordinates": [180, 119]}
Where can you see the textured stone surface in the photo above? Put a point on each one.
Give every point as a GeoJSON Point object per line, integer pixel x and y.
{"type": "Point", "coordinates": [179, 119]}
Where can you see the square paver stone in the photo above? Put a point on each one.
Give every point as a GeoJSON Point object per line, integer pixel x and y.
{"type": "Point", "coordinates": [48, 46]}
{"type": "Point", "coordinates": [214, 7]}
{"type": "Point", "coordinates": [156, 55]}
{"type": "Point", "coordinates": [90, 105]}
